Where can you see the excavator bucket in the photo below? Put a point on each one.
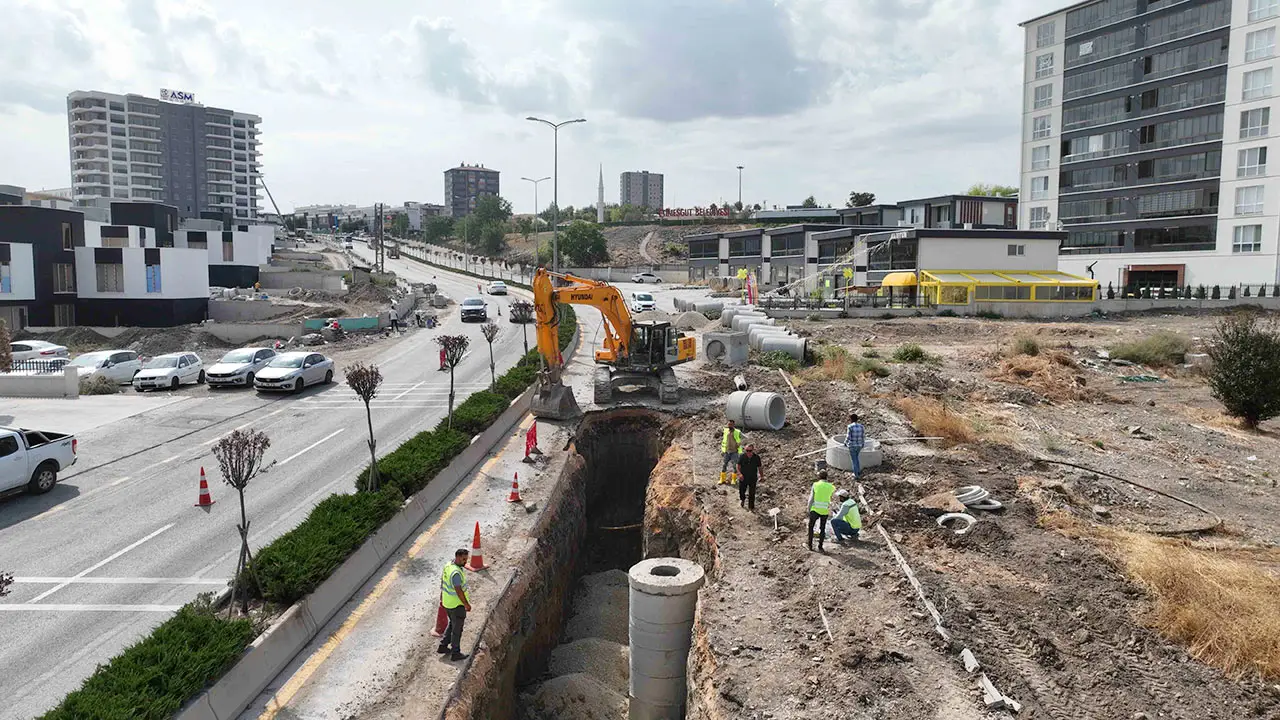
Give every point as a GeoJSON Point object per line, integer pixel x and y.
{"type": "Point", "coordinates": [554, 400]}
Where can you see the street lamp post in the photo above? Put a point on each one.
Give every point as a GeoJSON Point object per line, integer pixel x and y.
{"type": "Point", "coordinates": [739, 187]}
{"type": "Point", "coordinates": [535, 202]}
{"type": "Point", "coordinates": [555, 186]}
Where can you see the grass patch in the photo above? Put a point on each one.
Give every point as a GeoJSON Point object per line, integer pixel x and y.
{"type": "Point", "coordinates": [98, 385]}
{"type": "Point", "coordinates": [1025, 345]}
{"type": "Point", "coordinates": [836, 363]}
{"type": "Point", "coordinates": [947, 312]}
{"type": "Point", "coordinates": [872, 353]}
{"type": "Point", "coordinates": [912, 353]}
{"type": "Point", "coordinates": [778, 359]}
{"type": "Point", "coordinates": [1159, 350]}
{"type": "Point", "coordinates": [989, 315]}
{"type": "Point", "coordinates": [931, 419]}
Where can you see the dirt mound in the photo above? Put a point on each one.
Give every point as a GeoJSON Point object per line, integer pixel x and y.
{"type": "Point", "coordinates": [691, 320]}
{"type": "Point", "coordinates": [605, 660]}
{"type": "Point", "coordinates": [77, 339]}
{"type": "Point", "coordinates": [653, 315]}
{"type": "Point", "coordinates": [576, 696]}
{"type": "Point", "coordinates": [1054, 375]}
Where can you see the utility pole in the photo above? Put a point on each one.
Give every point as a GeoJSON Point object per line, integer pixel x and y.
{"type": "Point", "coordinates": [535, 201]}
{"type": "Point", "coordinates": [382, 250]}
{"type": "Point", "coordinates": [555, 187]}
{"type": "Point", "coordinates": [739, 186]}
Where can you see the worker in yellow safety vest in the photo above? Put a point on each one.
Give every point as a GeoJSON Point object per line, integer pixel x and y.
{"type": "Point", "coordinates": [730, 443]}
{"type": "Point", "coordinates": [453, 595]}
{"type": "Point", "coordinates": [819, 508]}
{"type": "Point", "coordinates": [847, 522]}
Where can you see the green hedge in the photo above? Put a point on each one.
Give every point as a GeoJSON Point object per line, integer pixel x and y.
{"type": "Point", "coordinates": [154, 677]}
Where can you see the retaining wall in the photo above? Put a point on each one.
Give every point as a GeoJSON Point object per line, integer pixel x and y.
{"type": "Point", "coordinates": [245, 332]}
{"type": "Point", "coordinates": [330, 280]}
{"type": "Point", "coordinates": [55, 385]}
{"type": "Point", "coordinates": [246, 310]}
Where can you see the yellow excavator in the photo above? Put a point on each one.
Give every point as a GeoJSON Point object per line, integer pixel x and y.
{"type": "Point", "coordinates": [634, 353]}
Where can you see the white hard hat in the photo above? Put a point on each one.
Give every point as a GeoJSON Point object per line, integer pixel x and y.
{"type": "Point", "coordinates": [842, 493]}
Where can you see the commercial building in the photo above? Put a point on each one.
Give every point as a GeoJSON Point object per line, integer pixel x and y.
{"type": "Point", "coordinates": [204, 161]}
{"type": "Point", "coordinates": [641, 188]}
{"type": "Point", "coordinates": [1140, 118]}
{"type": "Point", "coordinates": [465, 184]}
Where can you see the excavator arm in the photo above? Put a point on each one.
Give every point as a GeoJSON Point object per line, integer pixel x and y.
{"type": "Point", "coordinates": [580, 291]}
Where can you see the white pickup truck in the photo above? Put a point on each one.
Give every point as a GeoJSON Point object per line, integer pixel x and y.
{"type": "Point", "coordinates": [32, 459]}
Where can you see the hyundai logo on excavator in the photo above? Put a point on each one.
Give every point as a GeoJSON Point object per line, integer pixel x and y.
{"type": "Point", "coordinates": [587, 297]}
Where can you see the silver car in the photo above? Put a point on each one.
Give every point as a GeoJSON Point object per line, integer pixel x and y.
{"type": "Point", "coordinates": [292, 371]}
{"type": "Point", "coordinates": [238, 367]}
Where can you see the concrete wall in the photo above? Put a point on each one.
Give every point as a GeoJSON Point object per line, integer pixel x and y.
{"type": "Point", "coordinates": [244, 332]}
{"type": "Point", "coordinates": [1046, 309]}
{"type": "Point", "coordinates": [184, 273]}
{"type": "Point", "coordinates": [106, 331]}
{"type": "Point", "coordinates": [246, 311]}
{"type": "Point", "coordinates": [1202, 268]}
{"type": "Point", "coordinates": [66, 385]}
{"type": "Point", "coordinates": [986, 254]}
{"type": "Point", "coordinates": [624, 274]}
{"type": "Point", "coordinates": [330, 281]}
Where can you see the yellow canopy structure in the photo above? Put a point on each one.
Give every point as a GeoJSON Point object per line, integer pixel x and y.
{"type": "Point", "coordinates": [958, 287]}
{"type": "Point", "coordinates": [899, 279]}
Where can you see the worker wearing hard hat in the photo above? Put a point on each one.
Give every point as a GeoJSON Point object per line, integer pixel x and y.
{"type": "Point", "coordinates": [847, 521]}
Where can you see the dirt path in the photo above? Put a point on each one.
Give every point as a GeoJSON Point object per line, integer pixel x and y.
{"type": "Point", "coordinates": [644, 247]}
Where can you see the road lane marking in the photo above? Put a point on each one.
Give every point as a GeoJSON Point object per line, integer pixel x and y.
{"type": "Point", "coordinates": [170, 459]}
{"type": "Point", "coordinates": [406, 392]}
{"type": "Point", "coordinates": [92, 608]}
{"type": "Point", "coordinates": [95, 566]}
{"type": "Point", "coordinates": [310, 447]}
{"type": "Point", "coordinates": [118, 581]}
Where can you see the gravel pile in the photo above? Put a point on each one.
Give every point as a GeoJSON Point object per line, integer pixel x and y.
{"type": "Point", "coordinates": [653, 315]}
{"type": "Point", "coordinates": [575, 697]}
{"type": "Point", "coordinates": [600, 608]}
{"type": "Point", "coordinates": [604, 660]}
{"type": "Point", "coordinates": [691, 320]}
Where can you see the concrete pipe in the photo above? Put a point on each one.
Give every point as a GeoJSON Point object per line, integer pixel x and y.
{"type": "Point", "coordinates": [838, 455]}
{"type": "Point", "coordinates": [663, 600]}
{"type": "Point", "coordinates": [756, 332]}
{"type": "Point", "coordinates": [706, 307]}
{"type": "Point", "coordinates": [741, 322]}
{"type": "Point", "coordinates": [756, 410]}
{"type": "Point", "coordinates": [731, 311]}
{"type": "Point", "coordinates": [680, 304]}
{"type": "Point", "coordinates": [792, 346]}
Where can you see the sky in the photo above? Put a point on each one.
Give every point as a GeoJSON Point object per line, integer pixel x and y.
{"type": "Point", "coordinates": [372, 101]}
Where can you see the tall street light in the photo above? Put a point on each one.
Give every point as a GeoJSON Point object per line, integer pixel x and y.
{"type": "Point", "coordinates": [739, 187]}
{"type": "Point", "coordinates": [555, 187]}
{"type": "Point", "coordinates": [535, 201]}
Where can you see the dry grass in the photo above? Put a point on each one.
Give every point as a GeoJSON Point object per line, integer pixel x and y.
{"type": "Point", "coordinates": [931, 419]}
{"type": "Point", "coordinates": [1161, 349]}
{"type": "Point", "coordinates": [1053, 374]}
{"type": "Point", "coordinates": [836, 363]}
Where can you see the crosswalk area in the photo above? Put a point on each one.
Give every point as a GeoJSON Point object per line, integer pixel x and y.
{"type": "Point", "coordinates": [425, 394]}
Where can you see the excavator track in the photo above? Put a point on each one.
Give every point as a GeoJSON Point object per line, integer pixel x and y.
{"type": "Point", "coordinates": [668, 387]}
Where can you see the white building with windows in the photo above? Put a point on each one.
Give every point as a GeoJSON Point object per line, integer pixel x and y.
{"type": "Point", "coordinates": [1146, 132]}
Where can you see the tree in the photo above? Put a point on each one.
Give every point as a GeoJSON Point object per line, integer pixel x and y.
{"type": "Point", "coordinates": [239, 458]}
{"type": "Point", "coordinates": [490, 332]}
{"type": "Point", "coordinates": [809, 202]}
{"type": "Point", "coordinates": [756, 207]}
{"type": "Point", "coordinates": [583, 244]}
{"type": "Point", "coordinates": [491, 238]}
{"type": "Point", "coordinates": [1246, 368]}
{"type": "Point", "coordinates": [6, 580]}
{"type": "Point", "coordinates": [522, 312]}
{"type": "Point", "coordinates": [524, 226]}
{"type": "Point", "coordinates": [989, 190]}
{"type": "Point", "coordinates": [364, 380]}
{"type": "Point", "coordinates": [400, 225]}
{"type": "Point", "coordinates": [437, 229]}
{"type": "Point", "coordinates": [6, 352]}
{"type": "Point", "coordinates": [491, 209]}
{"type": "Point", "coordinates": [860, 199]}
{"type": "Point", "coordinates": [455, 347]}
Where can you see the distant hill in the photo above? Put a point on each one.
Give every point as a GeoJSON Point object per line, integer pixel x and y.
{"type": "Point", "coordinates": [625, 243]}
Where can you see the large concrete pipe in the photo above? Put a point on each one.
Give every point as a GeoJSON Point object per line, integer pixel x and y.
{"type": "Point", "coordinates": [792, 346]}
{"type": "Point", "coordinates": [712, 306]}
{"type": "Point", "coordinates": [756, 410]}
{"type": "Point", "coordinates": [838, 454]}
{"type": "Point", "coordinates": [663, 597]}
{"type": "Point", "coordinates": [741, 322]}
{"type": "Point", "coordinates": [732, 311]}
{"type": "Point", "coordinates": [757, 332]}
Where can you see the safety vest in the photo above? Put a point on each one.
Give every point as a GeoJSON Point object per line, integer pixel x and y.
{"type": "Point", "coordinates": [448, 593]}
{"type": "Point", "coordinates": [822, 492]}
{"type": "Point", "coordinates": [852, 516]}
{"type": "Point", "coordinates": [737, 438]}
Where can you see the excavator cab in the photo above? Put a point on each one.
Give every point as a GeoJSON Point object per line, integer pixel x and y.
{"type": "Point", "coordinates": [656, 345]}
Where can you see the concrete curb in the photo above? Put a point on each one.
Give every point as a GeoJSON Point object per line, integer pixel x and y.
{"type": "Point", "coordinates": [268, 655]}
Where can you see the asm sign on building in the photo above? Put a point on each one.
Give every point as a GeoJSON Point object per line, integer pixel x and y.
{"type": "Point", "coordinates": [177, 96]}
{"type": "Point", "coordinates": [694, 212]}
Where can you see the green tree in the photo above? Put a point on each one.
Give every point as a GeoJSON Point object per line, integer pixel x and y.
{"type": "Point", "coordinates": [436, 229]}
{"type": "Point", "coordinates": [524, 226]}
{"type": "Point", "coordinates": [1246, 368]}
{"type": "Point", "coordinates": [583, 244]}
{"type": "Point", "coordinates": [861, 199]}
{"type": "Point", "coordinates": [491, 238]}
{"type": "Point", "coordinates": [400, 225]}
{"type": "Point", "coordinates": [490, 209]}
{"type": "Point", "coordinates": [809, 202]}
{"type": "Point", "coordinates": [990, 190]}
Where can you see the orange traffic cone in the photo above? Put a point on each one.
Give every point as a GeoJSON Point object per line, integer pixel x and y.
{"type": "Point", "coordinates": [442, 621]}
{"type": "Point", "coordinates": [205, 500]}
{"type": "Point", "coordinates": [477, 561]}
{"type": "Point", "coordinates": [515, 489]}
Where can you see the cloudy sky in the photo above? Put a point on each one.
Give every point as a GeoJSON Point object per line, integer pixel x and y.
{"type": "Point", "coordinates": [371, 101]}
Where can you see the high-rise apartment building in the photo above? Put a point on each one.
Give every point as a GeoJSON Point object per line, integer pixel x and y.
{"type": "Point", "coordinates": [463, 185]}
{"type": "Point", "coordinates": [201, 160]}
{"type": "Point", "coordinates": [1146, 131]}
{"type": "Point", "coordinates": [641, 189]}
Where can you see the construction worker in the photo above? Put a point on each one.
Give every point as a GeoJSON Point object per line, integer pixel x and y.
{"type": "Point", "coordinates": [453, 595]}
{"type": "Point", "coordinates": [854, 438]}
{"type": "Point", "coordinates": [730, 441]}
{"type": "Point", "coordinates": [820, 508]}
{"type": "Point", "coordinates": [748, 476]}
{"type": "Point", "coordinates": [847, 521]}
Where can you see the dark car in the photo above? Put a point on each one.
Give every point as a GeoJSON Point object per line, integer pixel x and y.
{"type": "Point", "coordinates": [473, 308]}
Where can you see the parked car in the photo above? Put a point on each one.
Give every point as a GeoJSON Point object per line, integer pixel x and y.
{"type": "Point", "coordinates": [293, 371]}
{"type": "Point", "coordinates": [33, 458]}
{"type": "Point", "coordinates": [170, 371]}
{"type": "Point", "coordinates": [348, 245]}
{"type": "Point", "coordinates": [497, 287]}
{"type": "Point", "coordinates": [238, 367]}
{"type": "Point", "coordinates": [645, 277]}
{"type": "Point", "coordinates": [117, 365]}
{"type": "Point", "coordinates": [35, 350]}
{"type": "Point", "coordinates": [473, 308]}
{"type": "Point", "coordinates": [642, 301]}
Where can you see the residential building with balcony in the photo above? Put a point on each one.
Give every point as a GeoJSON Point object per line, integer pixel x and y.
{"type": "Point", "coordinates": [641, 188]}
{"type": "Point", "coordinates": [465, 184]}
{"type": "Point", "coordinates": [203, 161]}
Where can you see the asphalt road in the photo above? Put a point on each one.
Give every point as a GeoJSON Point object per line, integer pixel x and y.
{"type": "Point", "coordinates": [117, 546]}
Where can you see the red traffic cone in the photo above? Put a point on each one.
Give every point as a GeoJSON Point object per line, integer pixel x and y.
{"type": "Point", "coordinates": [442, 621]}
{"type": "Point", "coordinates": [515, 490]}
{"type": "Point", "coordinates": [205, 500]}
{"type": "Point", "coordinates": [477, 560]}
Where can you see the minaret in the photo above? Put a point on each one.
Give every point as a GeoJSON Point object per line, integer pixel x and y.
{"type": "Point", "coordinates": [600, 197]}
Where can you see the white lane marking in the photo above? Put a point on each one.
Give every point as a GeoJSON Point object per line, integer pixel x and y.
{"type": "Point", "coordinates": [245, 425]}
{"type": "Point", "coordinates": [310, 447]}
{"type": "Point", "coordinates": [89, 493]}
{"type": "Point", "coordinates": [92, 608]}
{"type": "Point", "coordinates": [406, 392]}
{"type": "Point", "coordinates": [117, 581]}
{"type": "Point", "coordinates": [170, 459]}
{"type": "Point", "coordinates": [95, 566]}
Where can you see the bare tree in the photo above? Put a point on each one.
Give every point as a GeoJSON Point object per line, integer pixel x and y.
{"type": "Point", "coordinates": [364, 381]}
{"type": "Point", "coordinates": [455, 347]}
{"type": "Point", "coordinates": [6, 353]}
{"type": "Point", "coordinates": [5, 581]}
{"type": "Point", "coordinates": [239, 458]}
{"type": "Point", "coordinates": [490, 332]}
{"type": "Point", "coordinates": [522, 312]}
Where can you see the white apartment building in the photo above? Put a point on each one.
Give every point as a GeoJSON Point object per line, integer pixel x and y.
{"type": "Point", "coordinates": [202, 160]}
{"type": "Point", "coordinates": [1146, 131]}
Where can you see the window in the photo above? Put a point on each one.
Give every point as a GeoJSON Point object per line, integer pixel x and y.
{"type": "Point", "coordinates": [6, 278]}
{"type": "Point", "coordinates": [64, 278]}
{"type": "Point", "coordinates": [228, 251]}
{"type": "Point", "coordinates": [153, 278]}
{"type": "Point", "coordinates": [1040, 157]}
{"type": "Point", "coordinates": [1255, 123]}
{"type": "Point", "coordinates": [1017, 250]}
{"type": "Point", "coordinates": [1041, 127]}
{"type": "Point", "coordinates": [1249, 200]}
{"type": "Point", "coordinates": [1040, 187]}
{"type": "Point", "coordinates": [64, 315]}
{"type": "Point", "coordinates": [1252, 162]}
{"type": "Point", "coordinates": [1039, 218]}
{"type": "Point", "coordinates": [1263, 9]}
{"type": "Point", "coordinates": [1046, 33]}
{"type": "Point", "coordinates": [1044, 65]}
{"type": "Point", "coordinates": [1246, 238]}
{"type": "Point", "coordinates": [67, 237]}
{"type": "Point", "coordinates": [1043, 97]}
{"type": "Point", "coordinates": [1260, 44]}
{"type": "Point", "coordinates": [110, 277]}
{"type": "Point", "coordinates": [1257, 84]}
{"type": "Point", "coordinates": [8, 445]}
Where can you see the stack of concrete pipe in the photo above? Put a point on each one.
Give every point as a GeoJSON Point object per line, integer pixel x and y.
{"type": "Point", "coordinates": [742, 321]}
{"type": "Point", "coordinates": [729, 313]}
{"type": "Point", "coordinates": [703, 306]}
{"type": "Point", "coordinates": [663, 601]}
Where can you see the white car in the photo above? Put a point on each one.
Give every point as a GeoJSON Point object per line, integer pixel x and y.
{"type": "Point", "coordinates": [117, 365]}
{"type": "Point", "coordinates": [642, 301]}
{"type": "Point", "coordinates": [170, 371]}
{"type": "Point", "coordinates": [238, 367]}
{"type": "Point", "coordinates": [497, 287]}
{"type": "Point", "coordinates": [292, 371]}
{"type": "Point", "coordinates": [348, 245]}
{"type": "Point", "coordinates": [645, 277]}
{"type": "Point", "coordinates": [35, 350]}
